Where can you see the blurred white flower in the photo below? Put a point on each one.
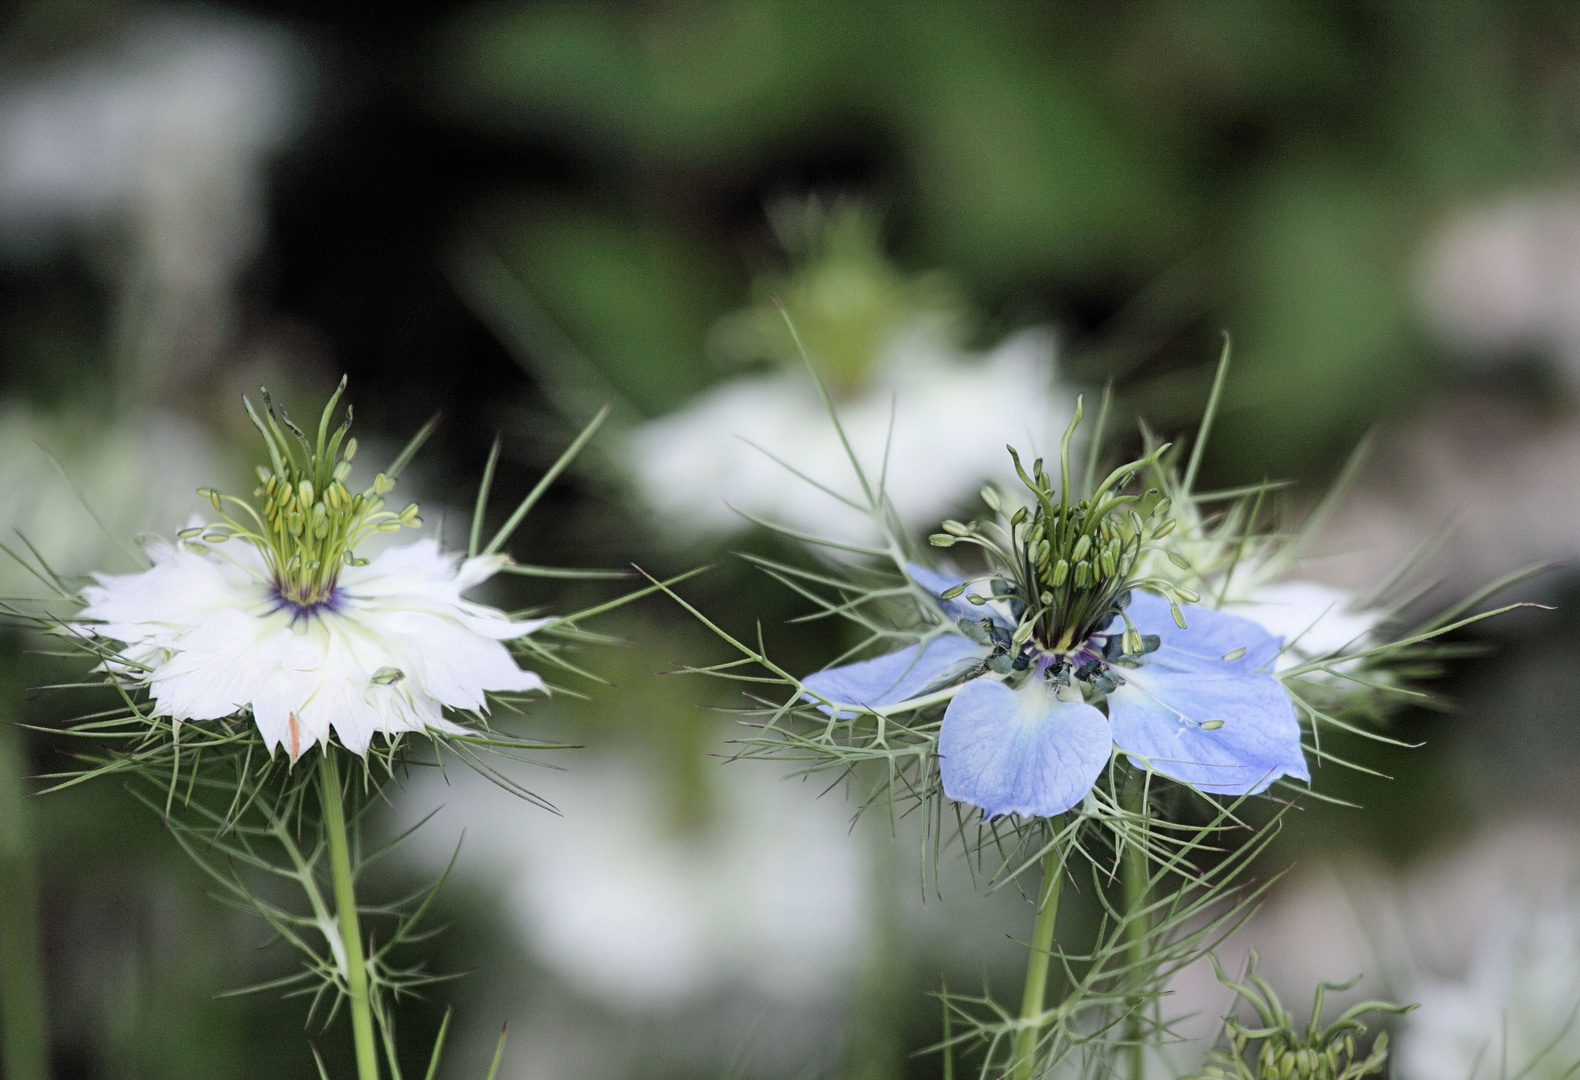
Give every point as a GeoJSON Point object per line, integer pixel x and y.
{"type": "Point", "coordinates": [638, 911]}
{"type": "Point", "coordinates": [63, 471]}
{"type": "Point", "coordinates": [1255, 577]}
{"type": "Point", "coordinates": [1516, 1012]}
{"type": "Point", "coordinates": [165, 135]}
{"type": "Point", "coordinates": [925, 416]}
{"type": "Point", "coordinates": [1315, 620]}
{"type": "Point", "coordinates": [1504, 278]}
{"type": "Point", "coordinates": [1503, 474]}
{"type": "Point", "coordinates": [931, 423]}
{"type": "Point", "coordinates": [385, 650]}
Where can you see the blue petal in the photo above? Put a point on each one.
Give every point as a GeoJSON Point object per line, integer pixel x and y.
{"type": "Point", "coordinates": [1159, 710]}
{"type": "Point", "coordinates": [1209, 634]}
{"type": "Point", "coordinates": [898, 675]}
{"type": "Point", "coordinates": [937, 584]}
{"type": "Point", "coordinates": [932, 580]}
{"type": "Point", "coordinates": [1020, 751]}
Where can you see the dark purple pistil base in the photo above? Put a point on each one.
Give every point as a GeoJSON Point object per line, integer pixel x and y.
{"type": "Point", "coordinates": [299, 611]}
{"type": "Point", "coordinates": [1074, 658]}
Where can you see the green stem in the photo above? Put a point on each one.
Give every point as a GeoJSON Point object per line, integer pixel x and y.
{"type": "Point", "coordinates": [1037, 965]}
{"type": "Point", "coordinates": [875, 1048]}
{"type": "Point", "coordinates": [346, 910]}
{"type": "Point", "coordinates": [23, 1026]}
{"type": "Point", "coordinates": [1136, 874]}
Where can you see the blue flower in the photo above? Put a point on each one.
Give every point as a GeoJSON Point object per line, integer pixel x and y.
{"type": "Point", "coordinates": [1195, 704]}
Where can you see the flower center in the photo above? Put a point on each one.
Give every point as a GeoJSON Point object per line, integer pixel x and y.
{"type": "Point", "coordinates": [1074, 562]}
{"type": "Point", "coordinates": [307, 608]}
{"type": "Point", "coordinates": [307, 523]}
{"type": "Point", "coordinates": [1065, 568]}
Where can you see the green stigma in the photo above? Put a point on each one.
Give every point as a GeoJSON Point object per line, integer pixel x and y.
{"type": "Point", "coordinates": [306, 523]}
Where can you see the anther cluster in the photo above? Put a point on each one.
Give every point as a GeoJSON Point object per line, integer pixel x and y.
{"type": "Point", "coordinates": [308, 523]}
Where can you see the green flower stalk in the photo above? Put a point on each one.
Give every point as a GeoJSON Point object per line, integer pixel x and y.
{"type": "Point", "coordinates": [24, 1028]}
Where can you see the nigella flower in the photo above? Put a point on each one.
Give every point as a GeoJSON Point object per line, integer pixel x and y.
{"type": "Point", "coordinates": [276, 616]}
{"type": "Point", "coordinates": [1063, 655]}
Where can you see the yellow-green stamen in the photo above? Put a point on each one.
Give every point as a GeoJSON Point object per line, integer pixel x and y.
{"type": "Point", "coordinates": [307, 523]}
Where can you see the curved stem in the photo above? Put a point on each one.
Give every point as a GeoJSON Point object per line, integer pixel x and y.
{"type": "Point", "coordinates": [346, 911]}
{"type": "Point", "coordinates": [25, 1035]}
{"type": "Point", "coordinates": [1137, 877]}
{"type": "Point", "coordinates": [1136, 873]}
{"type": "Point", "coordinates": [1037, 965]}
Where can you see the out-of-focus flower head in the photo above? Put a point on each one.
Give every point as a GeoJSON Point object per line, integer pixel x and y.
{"type": "Point", "coordinates": [75, 486]}
{"type": "Point", "coordinates": [1516, 1011]}
{"type": "Point", "coordinates": [163, 138]}
{"type": "Point", "coordinates": [890, 350]}
{"type": "Point", "coordinates": [848, 301]}
{"type": "Point", "coordinates": [1237, 564]}
{"type": "Point", "coordinates": [1503, 280]}
{"type": "Point", "coordinates": [639, 911]}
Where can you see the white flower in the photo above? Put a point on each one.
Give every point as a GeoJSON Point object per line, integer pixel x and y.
{"type": "Point", "coordinates": [1315, 620]}
{"type": "Point", "coordinates": [951, 415]}
{"type": "Point", "coordinates": [1515, 1013]}
{"type": "Point", "coordinates": [639, 912]}
{"type": "Point", "coordinates": [1252, 576]}
{"type": "Point", "coordinates": [174, 121]}
{"type": "Point", "coordinates": [1502, 280]}
{"type": "Point", "coordinates": [386, 650]}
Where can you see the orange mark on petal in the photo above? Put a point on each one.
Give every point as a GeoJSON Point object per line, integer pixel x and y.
{"type": "Point", "coordinates": [296, 738]}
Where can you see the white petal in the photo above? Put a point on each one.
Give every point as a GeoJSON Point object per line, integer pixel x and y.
{"type": "Point", "coordinates": [221, 665]}
{"type": "Point", "coordinates": [402, 645]}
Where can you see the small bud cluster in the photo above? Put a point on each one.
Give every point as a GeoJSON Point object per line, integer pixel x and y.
{"type": "Point", "coordinates": [1277, 1061]}
{"type": "Point", "coordinates": [1276, 1050]}
{"type": "Point", "coordinates": [309, 523]}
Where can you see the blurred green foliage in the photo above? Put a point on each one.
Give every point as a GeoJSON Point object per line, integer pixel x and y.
{"type": "Point", "coordinates": [1146, 174]}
